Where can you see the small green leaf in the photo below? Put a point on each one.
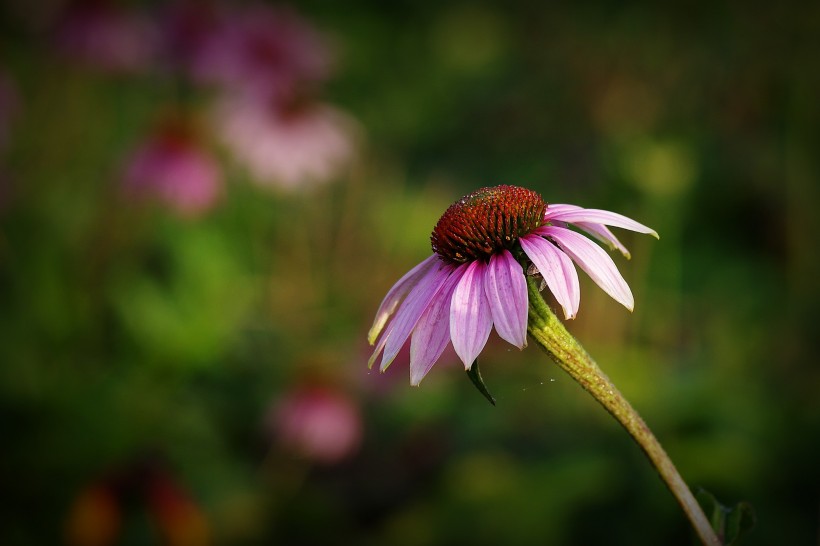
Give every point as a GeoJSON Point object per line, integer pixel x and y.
{"type": "Point", "coordinates": [475, 376]}
{"type": "Point", "coordinates": [730, 523]}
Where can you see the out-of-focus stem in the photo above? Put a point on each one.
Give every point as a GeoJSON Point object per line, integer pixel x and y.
{"type": "Point", "coordinates": [548, 332]}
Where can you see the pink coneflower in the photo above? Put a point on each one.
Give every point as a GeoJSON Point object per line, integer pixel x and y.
{"type": "Point", "coordinates": [286, 147]}
{"type": "Point", "coordinates": [262, 52]}
{"type": "Point", "coordinates": [317, 423]}
{"type": "Point", "coordinates": [103, 35]}
{"type": "Point", "coordinates": [483, 244]}
{"type": "Point", "coordinates": [172, 168]}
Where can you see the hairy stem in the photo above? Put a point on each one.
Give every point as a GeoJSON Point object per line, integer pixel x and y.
{"type": "Point", "coordinates": [548, 332]}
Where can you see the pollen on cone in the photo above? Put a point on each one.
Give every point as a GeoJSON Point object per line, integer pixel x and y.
{"type": "Point", "coordinates": [485, 222]}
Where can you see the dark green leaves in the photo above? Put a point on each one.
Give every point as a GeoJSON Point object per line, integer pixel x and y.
{"type": "Point", "coordinates": [730, 523]}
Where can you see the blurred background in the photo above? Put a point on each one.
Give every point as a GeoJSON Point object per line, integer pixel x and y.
{"type": "Point", "coordinates": [203, 203]}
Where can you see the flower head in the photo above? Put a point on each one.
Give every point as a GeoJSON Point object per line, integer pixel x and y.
{"type": "Point", "coordinates": [475, 279]}
{"type": "Point", "coordinates": [172, 168]}
{"type": "Point", "coordinates": [317, 423]}
{"type": "Point", "coordinates": [288, 147]}
{"type": "Point", "coordinates": [262, 53]}
{"type": "Point", "coordinates": [104, 36]}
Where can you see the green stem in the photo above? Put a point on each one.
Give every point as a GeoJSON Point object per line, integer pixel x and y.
{"type": "Point", "coordinates": [548, 331]}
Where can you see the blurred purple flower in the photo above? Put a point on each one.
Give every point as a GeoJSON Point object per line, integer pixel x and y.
{"type": "Point", "coordinates": [171, 167]}
{"type": "Point", "coordinates": [186, 26]}
{"type": "Point", "coordinates": [286, 147]}
{"type": "Point", "coordinates": [317, 423]}
{"type": "Point", "coordinates": [476, 277]}
{"type": "Point", "coordinates": [261, 52]}
{"type": "Point", "coordinates": [105, 36]}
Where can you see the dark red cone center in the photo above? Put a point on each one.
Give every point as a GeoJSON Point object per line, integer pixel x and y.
{"type": "Point", "coordinates": [486, 221]}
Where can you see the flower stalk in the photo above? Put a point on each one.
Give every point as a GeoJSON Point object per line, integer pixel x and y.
{"type": "Point", "coordinates": [551, 335]}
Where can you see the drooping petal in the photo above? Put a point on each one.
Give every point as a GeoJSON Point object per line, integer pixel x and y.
{"type": "Point", "coordinates": [597, 216]}
{"type": "Point", "coordinates": [558, 272]}
{"type": "Point", "coordinates": [470, 315]}
{"type": "Point", "coordinates": [506, 291]}
{"type": "Point", "coordinates": [603, 234]}
{"type": "Point", "coordinates": [410, 312]}
{"type": "Point", "coordinates": [595, 261]}
{"type": "Point", "coordinates": [395, 295]}
{"type": "Point", "coordinates": [432, 333]}
{"type": "Point", "coordinates": [408, 315]}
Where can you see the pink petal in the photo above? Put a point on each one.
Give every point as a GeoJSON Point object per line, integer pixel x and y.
{"type": "Point", "coordinates": [506, 291]}
{"type": "Point", "coordinates": [557, 270]}
{"type": "Point", "coordinates": [557, 208]}
{"type": "Point", "coordinates": [595, 261]}
{"type": "Point", "coordinates": [597, 216]}
{"type": "Point", "coordinates": [408, 314]}
{"type": "Point", "coordinates": [395, 295]}
{"type": "Point", "coordinates": [602, 233]}
{"type": "Point", "coordinates": [470, 315]}
{"type": "Point", "coordinates": [432, 333]}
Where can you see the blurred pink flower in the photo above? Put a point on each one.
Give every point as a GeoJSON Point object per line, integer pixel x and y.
{"type": "Point", "coordinates": [104, 35]}
{"type": "Point", "coordinates": [475, 279]}
{"type": "Point", "coordinates": [317, 423]}
{"type": "Point", "coordinates": [286, 148]}
{"type": "Point", "coordinates": [171, 168]}
{"type": "Point", "coordinates": [262, 52]}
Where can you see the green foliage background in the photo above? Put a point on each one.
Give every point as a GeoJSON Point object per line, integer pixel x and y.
{"type": "Point", "coordinates": [126, 330]}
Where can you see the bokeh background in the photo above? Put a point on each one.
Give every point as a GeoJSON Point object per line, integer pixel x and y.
{"type": "Point", "coordinates": [202, 205]}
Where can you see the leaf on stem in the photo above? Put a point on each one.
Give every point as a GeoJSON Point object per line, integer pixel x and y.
{"type": "Point", "coordinates": [475, 376]}
{"type": "Point", "coordinates": [730, 523]}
